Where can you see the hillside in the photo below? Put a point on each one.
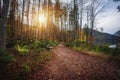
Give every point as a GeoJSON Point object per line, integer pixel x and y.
{"type": "Point", "coordinates": [117, 33]}
{"type": "Point", "coordinates": [103, 38]}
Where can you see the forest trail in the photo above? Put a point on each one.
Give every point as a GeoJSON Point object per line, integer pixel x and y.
{"type": "Point", "coordinates": [72, 65]}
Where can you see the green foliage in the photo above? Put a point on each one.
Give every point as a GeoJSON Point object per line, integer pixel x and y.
{"type": "Point", "coordinates": [75, 43]}
{"type": "Point", "coordinates": [52, 43]}
{"type": "Point", "coordinates": [70, 44]}
{"type": "Point", "coordinates": [115, 52]}
{"type": "Point", "coordinates": [43, 44]}
{"type": "Point", "coordinates": [22, 49]}
{"type": "Point", "coordinates": [38, 50]}
{"type": "Point", "coordinates": [105, 49]}
{"type": "Point", "coordinates": [78, 45]}
{"type": "Point", "coordinates": [35, 44]}
{"type": "Point", "coordinates": [25, 68]}
{"type": "Point", "coordinates": [44, 56]}
{"type": "Point", "coordinates": [38, 46]}
{"type": "Point", "coordinates": [5, 57]}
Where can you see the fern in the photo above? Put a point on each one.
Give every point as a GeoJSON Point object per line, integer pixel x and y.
{"type": "Point", "coordinates": [22, 49]}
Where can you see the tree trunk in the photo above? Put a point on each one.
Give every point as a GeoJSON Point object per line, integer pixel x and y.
{"type": "Point", "coordinates": [3, 19]}
{"type": "Point", "coordinates": [12, 20]}
{"type": "Point", "coordinates": [81, 15]}
{"type": "Point", "coordinates": [28, 29]}
{"type": "Point", "coordinates": [87, 32]}
{"type": "Point", "coordinates": [76, 19]}
{"type": "Point", "coordinates": [23, 9]}
{"type": "Point", "coordinates": [37, 31]}
{"type": "Point", "coordinates": [0, 9]}
{"type": "Point", "coordinates": [92, 23]}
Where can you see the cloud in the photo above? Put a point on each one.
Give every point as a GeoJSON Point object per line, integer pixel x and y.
{"type": "Point", "coordinates": [109, 20]}
{"type": "Point", "coordinates": [66, 1]}
{"type": "Point", "coordinates": [110, 23]}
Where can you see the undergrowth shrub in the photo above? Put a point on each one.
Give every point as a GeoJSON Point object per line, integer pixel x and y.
{"type": "Point", "coordinates": [38, 50]}
{"type": "Point", "coordinates": [25, 68]}
{"type": "Point", "coordinates": [52, 43]}
{"type": "Point", "coordinates": [70, 44]}
{"type": "Point", "coordinates": [22, 49]}
{"type": "Point", "coordinates": [77, 45]}
{"type": "Point", "coordinates": [44, 56]}
{"type": "Point", "coordinates": [43, 44]}
{"type": "Point", "coordinates": [38, 44]}
{"type": "Point", "coordinates": [6, 57]}
{"type": "Point", "coordinates": [115, 51]}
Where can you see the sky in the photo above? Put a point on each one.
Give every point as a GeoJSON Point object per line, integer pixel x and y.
{"type": "Point", "coordinates": [109, 20]}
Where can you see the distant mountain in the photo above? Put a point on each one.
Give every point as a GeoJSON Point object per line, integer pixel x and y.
{"type": "Point", "coordinates": [117, 33]}
{"type": "Point", "coordinates": [104, 38]}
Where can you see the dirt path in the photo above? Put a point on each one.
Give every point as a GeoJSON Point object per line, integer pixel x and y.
{"type": "Point", "coordinates": [71, 65]}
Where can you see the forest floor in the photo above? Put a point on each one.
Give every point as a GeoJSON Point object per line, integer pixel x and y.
{"type": "Point", "coordinates": [67, 64]}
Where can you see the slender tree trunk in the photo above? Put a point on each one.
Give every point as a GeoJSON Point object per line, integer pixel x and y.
{"type": "Point", "coordinates": [23, 9]}
{"type": "Point", "coordinates": [81, 15]}
{"type": "Point", "coordinates": [18, 18]}
{"type": "Point", "coordinates": [48, 21]}
{"type": "Point", "coordinates": [92, 25]}
{"type": "Point", "coordinates": [3, 19]}
{"type": "Point", "coordinates": [87, 31]}
{"type": "Point", "coordinates": [91, 32]}
{"type": "Point", "coordinates": [28, 29]}
{"type": "Point", "coordinates": [12, 20]}
{"type": "Point", "coordinates": [32, 22]}
{"type": "Point", "coordinates": [0, 9]}
{"type": "Point", "coordinates": [76, 19]}
{"type": "Point", "coordinates": [37, 22]}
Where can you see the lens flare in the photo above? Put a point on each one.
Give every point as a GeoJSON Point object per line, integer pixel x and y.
{"type": "Point", "coordinates": [42, 18]}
